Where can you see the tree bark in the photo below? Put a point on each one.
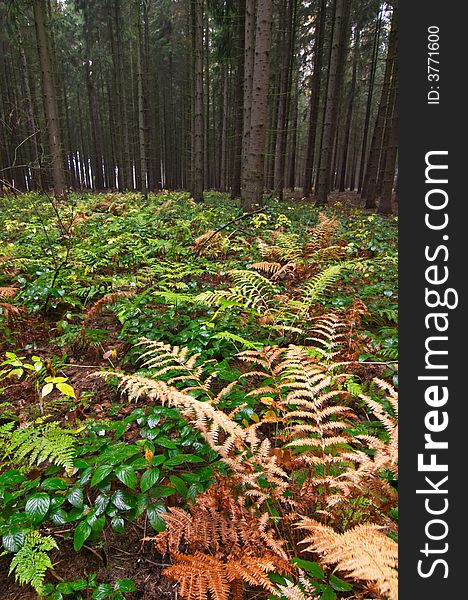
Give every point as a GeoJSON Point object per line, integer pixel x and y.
{"type": "Point", "coordinates": [50, 98]}
{"type": "Point", "coordinates": [329, 127]}
{"type": "Point", "coordinates": [198, 126]}
{"type": "Point", "coordinates": [314, 98]}
{"type": "Point", "coordinates": [370, 179]}
{"type": "Point", "coordinates": [284, 99]}
{"type": "Point", "coordinates": [252, 191]}
{"type": "Point", "coordinates": [349, 115]}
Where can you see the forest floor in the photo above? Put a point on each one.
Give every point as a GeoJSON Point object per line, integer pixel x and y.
{"type": "Point", "coordinates": [81, 283]}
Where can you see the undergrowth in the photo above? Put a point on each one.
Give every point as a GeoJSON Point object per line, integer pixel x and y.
{"type": "Point", "coordinates": [237, 393]}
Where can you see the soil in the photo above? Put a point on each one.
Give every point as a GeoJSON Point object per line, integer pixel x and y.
{"type": "Point", "coordinates": [119, 556]}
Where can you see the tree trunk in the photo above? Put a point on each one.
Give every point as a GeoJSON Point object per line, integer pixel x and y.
{"type": "Point", "coordinates": [284, 99]}
{"type": "Point", "coordinates": [293, 146]}
{"type": "Point", "coordinates": [249, 56]}
{"type": "Point", "coordinates": [50, 99]}
{"type": "Point", "coordinates": [314, 98]}
{"type": "Point", "coordinates": [329, 126]}
{"type": "Point", "coordinates": [370, 93]}
{"type": "Point", "coordinates": [370, 178]}
{"type": "Point", "coordinates": [252, 191]}
{"type": "Point", "coordinates": [198, 132]}
{"type": "Point", "coordinates": [141, 70]}
{"type": "Point", "coordinates": [385, 204]}
{"type": "Point", "coordinates": [349, 115]}
{"type": "Point", "coordinates": [239, 107]}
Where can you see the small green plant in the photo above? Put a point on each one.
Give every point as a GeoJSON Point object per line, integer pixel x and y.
{"type": "Point", "coordinates": [79, 589]}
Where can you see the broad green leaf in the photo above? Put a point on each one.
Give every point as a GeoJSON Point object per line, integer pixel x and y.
{"type": "Point", "coordinates": [54, 483]}
{"type": "Point", "coordinates": [66, 389]}
{"type": "Point", "coordinates": [149, 479]}
{"type": "Point", "coordinates": [118, 524]}
{"type": "Point", "coordinates": [47, 389]}
{"type": "Point", "coordinates": [125, 585]}
{"type": "Point", "coordinates": [165, 442]}
{"type": "Point", "coordinates": [37, 506]}
{"type": "Point", "coordinates": [180, 459]}
{"type": "Point", "coordinates": [127, 475]}
{"type": "Point", "coordinates": [339, 585]}
{"type": "Point", "coordinates": [59, 516]}
{"type": "Point", "coordinates": [328, 594]}
{"type": "Point", "coordinates": [122, 500]}
{"type": "Point", "coordinates": [11, 477]}
{"type": "Point", "coordinates": [103, 592]}
{"type": "Point", "coordinates": [75, 497]}
{"type": "Point", "coordinates": [161, 491]}
{"type": "Point", "coordinates": [13, 541]}
{"type": "Point", "coordinates": [179, 485]}
{"type": "Point", "coordinates": [155, 512]}
{"type": "Point", "coordinates": [100, 474]}
{"type": "Point", "coordinates": [82, 533]}
{"type": "Point", "coordinates": [100, 504]}
{"type": "Point", "coordinates": [97, 524]}
{"type": "Point", "coordinates": [312, 568]}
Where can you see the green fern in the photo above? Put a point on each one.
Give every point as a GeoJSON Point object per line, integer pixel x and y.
{"type": "Point", "coordinates": [251, 291]}
{"type": "Point", "coordinates": [36, 444]}
{"type": "Point", "coordinates": [31, 562]}
{"type": "Point", "coordinates": [316, 287]}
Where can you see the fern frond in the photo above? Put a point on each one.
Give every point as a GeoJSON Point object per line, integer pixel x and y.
{"type": "Point", "coordinates": [323, 233]}
{"type": "Point", "coordinates": [253, 289]}
{"type": "Point", "coordinates": [38, 443]}
{"type": "Point", "coordinates": [200, 577]}
{"type": "Point", "coordinates": [226, 543]}
{"type": "Point", "coordinates": [286, 247]}
{"type": "Point", "coordinates": [8, 292]}
{"type": "Point", "coordinates": [316, 287]}
{"type": "Point", "coordinates": [31, 562]}
{"type": "Point", "coordinates": [363, 551]}
{"type": "Point", "coordinates": [293, 592]}
{"type": "Point", "coordinates": [267, 267]}
{"type": "Point", "coordinates": [106, 300]}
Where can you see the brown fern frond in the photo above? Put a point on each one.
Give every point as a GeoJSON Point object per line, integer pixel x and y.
{"type": "Point", "coordinates": [365, 476]}
{"type": "Point", "coordinates": [200, 577]}
{"type": "Point", "coordinates": [210, 243]}
{"type": "Point", "coordinates": [10, 310]}
{"type": "Point", "coordinates": [106, 300]}
{"type": "Point", "coordinates": [267, 267]}
{"type": "Point", "coordinates": [323, 233]}
{"type": "Point", "coordinates": [252, 569]}
{"type": "Point", "coordinates": [8, 292]}
{"type": "Point", "coordinates": [363, 551]}
{"type": "Point", "coordinates": [220, 534]}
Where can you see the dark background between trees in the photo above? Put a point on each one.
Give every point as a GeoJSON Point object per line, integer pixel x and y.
{"type": "Point", "coordinates": [243, 96]}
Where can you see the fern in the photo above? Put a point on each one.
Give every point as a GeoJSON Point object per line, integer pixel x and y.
{"type": "Point", "coordinates": [253, 289]}
{"type": "Point", "coordinates": [36, 444]}
{"type": "Point", "coordinates": [286, 247]}
{"type": "Point", "coordinates": [328, 335]}
{"type": "Point", "coordinates": [225, 544]}
{"type": "Point", "coordinates": [323, 234]}
{"type": "Point", "coordinates": [31, 562]}
{"type": "Point", "coordinates": [106, 300]}
{"type": "Point", "coordinates": [315, 288]}
{"type": "Point", "coordinates": [363, 551]}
